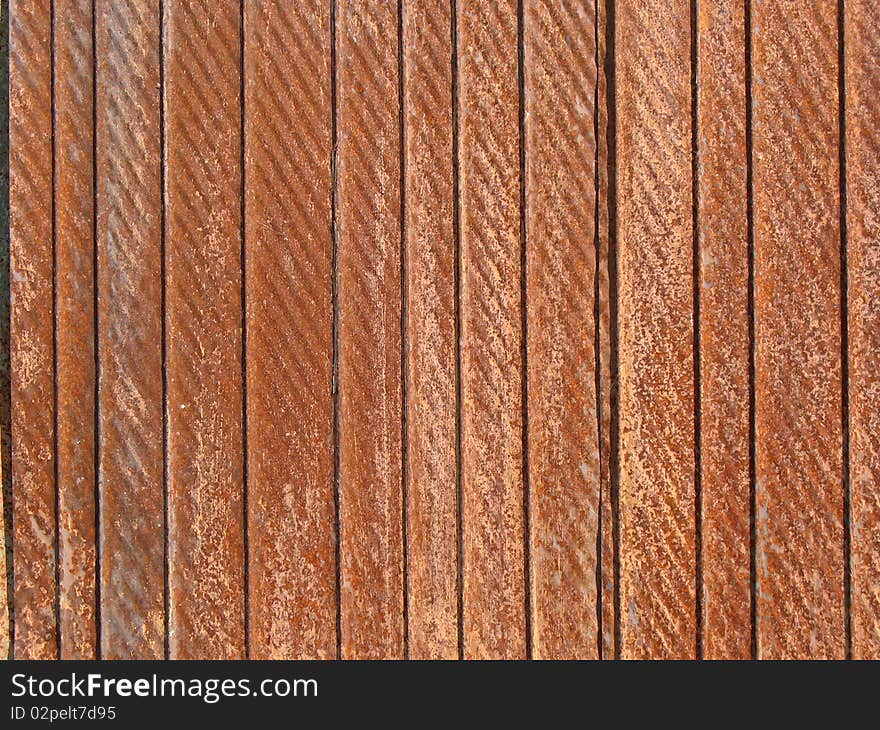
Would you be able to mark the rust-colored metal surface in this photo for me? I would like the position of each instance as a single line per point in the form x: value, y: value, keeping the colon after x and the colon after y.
x: 862, y: 36
x: 799, y: 479
x: 443, y: 329
x: 495, y: 609
x: 369, y: 376
x: 75, y: 327
x: 605, y: 578
x: 723, y: 260
x: 655, y: 331
x: 130, y: 430
x: 431, y: 360
x: 203, y: 330
x: 561, y: 259
x: 31, y: 249
x: 291, y: 526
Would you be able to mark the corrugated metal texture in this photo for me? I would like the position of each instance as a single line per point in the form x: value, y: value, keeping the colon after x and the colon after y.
x: 443, y: 328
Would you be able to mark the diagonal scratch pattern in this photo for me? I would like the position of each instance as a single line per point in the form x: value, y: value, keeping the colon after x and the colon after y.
x: 369, y: 331
x: 862, y: 33
x: 432, y: 535
x: 75, y: 335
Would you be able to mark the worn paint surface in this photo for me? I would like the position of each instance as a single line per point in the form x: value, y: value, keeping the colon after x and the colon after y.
x: 442, y: 329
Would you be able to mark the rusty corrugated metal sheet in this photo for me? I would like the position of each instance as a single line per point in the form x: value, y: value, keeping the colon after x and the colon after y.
x: 433, y: 329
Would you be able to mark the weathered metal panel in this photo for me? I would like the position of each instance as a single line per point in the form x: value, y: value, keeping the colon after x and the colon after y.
x: 430, y: 344
x: 862, y: 46
x: 725, y: 426
x: 493, y: 520
x: 798, y: 396
x: 289, y: 333
x: 560, y: 90
x: 130, y: 363
x: 203, y: 330
x: 31, y: 249
x: 75, y: 326
x: 370, y: 310
x: 655, y: 330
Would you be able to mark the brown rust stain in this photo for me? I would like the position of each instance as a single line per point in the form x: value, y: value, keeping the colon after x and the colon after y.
x: 564, y: 470
x: 724, y: 331
x: 431, y: 434
x: 799, y: 513
x: 203, y: 330
x: 75, y: 333
x: 862, y: 33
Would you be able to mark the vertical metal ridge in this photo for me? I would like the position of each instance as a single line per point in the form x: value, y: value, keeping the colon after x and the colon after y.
x: 597, y: 337
x: 203, y: 329
x: 563, y: 368
x: 695, y: 224
x: 844, y: 327
x: 861, y: 84
x: 163, y: 215
x: 456, y: 222
x: 334, y: 81
x: 750, y: 218
x: 32, y: 329
x: 54, y: 225
x: 524, y: 327
x: 404, y: 304
x: 244, y: 334
x: 290, y: 300
x: 7, y: 612
x: 613, y: 297
x: 95, y: 405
